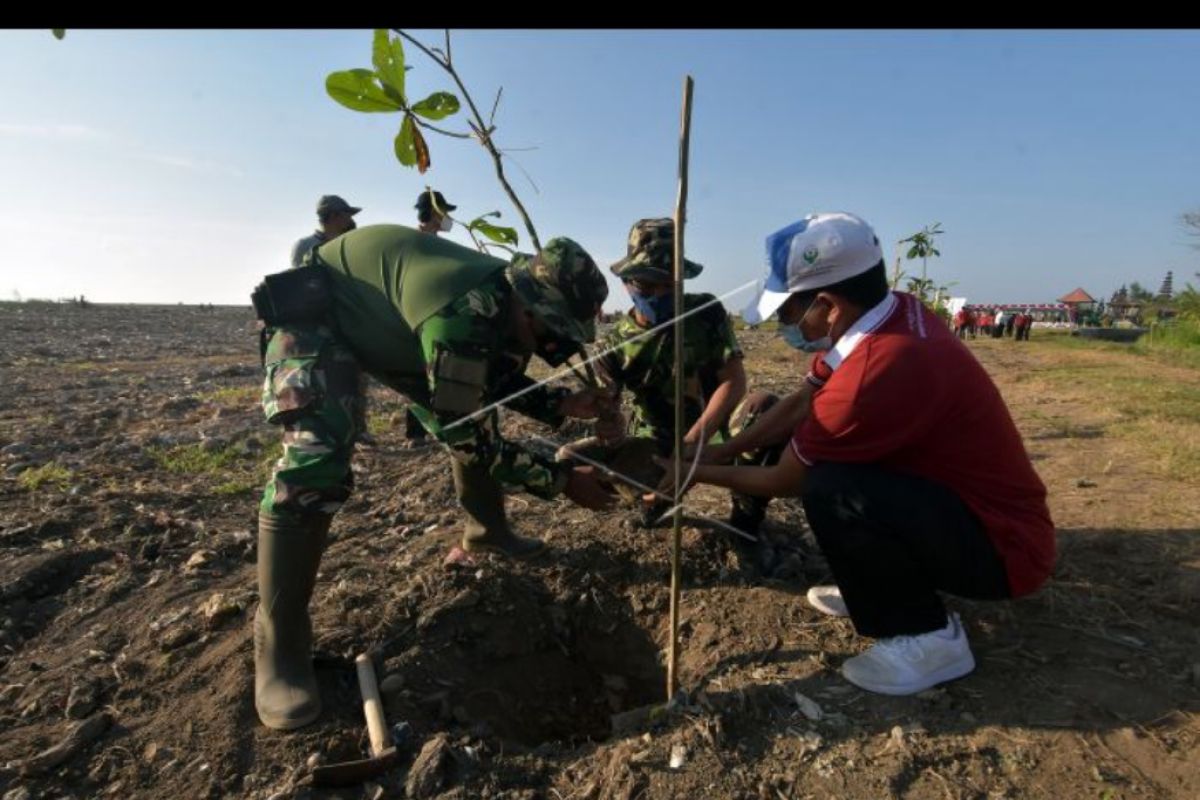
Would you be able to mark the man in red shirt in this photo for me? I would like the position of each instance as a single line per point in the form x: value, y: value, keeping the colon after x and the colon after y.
x: 885, y: 425
x: 985, y: 324
x: 960, y: 323
x: 1022, y: 325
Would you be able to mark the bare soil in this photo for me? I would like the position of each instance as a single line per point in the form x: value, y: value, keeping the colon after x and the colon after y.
x: 132, y: 452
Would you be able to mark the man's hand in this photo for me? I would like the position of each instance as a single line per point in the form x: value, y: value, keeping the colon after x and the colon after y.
x: 667, y: 484
x: 709, y: 454
x: 585, y: 489
x: 712, y: 454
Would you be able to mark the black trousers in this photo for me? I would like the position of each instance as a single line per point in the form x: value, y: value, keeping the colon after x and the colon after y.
x: 893, y: 542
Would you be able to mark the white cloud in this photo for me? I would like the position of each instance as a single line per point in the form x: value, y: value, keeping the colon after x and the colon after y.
x: 74, y: 133
x: 195, y: 165
x: 85, y: 133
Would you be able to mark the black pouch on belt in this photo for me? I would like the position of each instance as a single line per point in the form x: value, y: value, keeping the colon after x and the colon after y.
x: 298, y: 295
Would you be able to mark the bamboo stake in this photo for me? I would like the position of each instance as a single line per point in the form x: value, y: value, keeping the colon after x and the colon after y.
x: 677, y: 523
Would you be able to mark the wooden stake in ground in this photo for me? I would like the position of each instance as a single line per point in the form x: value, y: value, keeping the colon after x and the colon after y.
x: 677, y: 523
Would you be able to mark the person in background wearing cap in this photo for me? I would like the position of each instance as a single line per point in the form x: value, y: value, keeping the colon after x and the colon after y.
x: 887, y: 421
x: 453, y: 330
x: 433, y: 213
x: 714, y: 377
x: 335, y: 216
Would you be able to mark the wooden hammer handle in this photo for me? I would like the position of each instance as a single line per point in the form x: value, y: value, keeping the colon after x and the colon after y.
x: 377, y: 728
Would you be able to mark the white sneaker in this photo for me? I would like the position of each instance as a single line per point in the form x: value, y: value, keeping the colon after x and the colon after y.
x: 828, y: 600
x: 910, y: 664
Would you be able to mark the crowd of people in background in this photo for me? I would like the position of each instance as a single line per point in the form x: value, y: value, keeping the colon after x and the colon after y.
x: 996, y: 324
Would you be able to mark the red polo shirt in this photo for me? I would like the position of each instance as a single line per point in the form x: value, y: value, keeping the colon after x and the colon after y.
x: 900, y: 390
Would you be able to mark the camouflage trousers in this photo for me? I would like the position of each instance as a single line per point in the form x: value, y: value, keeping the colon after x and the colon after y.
x: 632, y: 458
x: 313, y: 387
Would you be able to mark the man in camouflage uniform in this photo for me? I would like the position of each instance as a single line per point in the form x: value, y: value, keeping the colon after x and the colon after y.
x: 453, y: 330
x: 716, y: 405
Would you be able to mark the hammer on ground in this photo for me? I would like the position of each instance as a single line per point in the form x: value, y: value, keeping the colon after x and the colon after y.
x: 383, y: 752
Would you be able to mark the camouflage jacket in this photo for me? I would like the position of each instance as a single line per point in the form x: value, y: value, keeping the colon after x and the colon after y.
x: 427, y: 317
x: 469, y: 329
x: 645, y: 366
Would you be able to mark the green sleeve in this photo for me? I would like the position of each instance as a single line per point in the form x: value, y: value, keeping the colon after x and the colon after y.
x: 465, y: 331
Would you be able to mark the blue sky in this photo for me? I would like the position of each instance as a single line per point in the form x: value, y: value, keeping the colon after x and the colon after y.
x: 163, y: 166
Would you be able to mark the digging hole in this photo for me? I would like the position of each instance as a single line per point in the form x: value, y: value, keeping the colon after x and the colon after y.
x: 505, y: 657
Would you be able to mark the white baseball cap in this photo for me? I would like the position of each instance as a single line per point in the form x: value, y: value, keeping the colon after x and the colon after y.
x: 819, y: 250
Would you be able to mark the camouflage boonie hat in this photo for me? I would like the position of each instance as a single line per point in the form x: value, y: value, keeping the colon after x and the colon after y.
x: 651, y: 253
x: 562, y: 286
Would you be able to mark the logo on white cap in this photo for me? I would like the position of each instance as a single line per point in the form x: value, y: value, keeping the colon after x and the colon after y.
x: 816, y: 251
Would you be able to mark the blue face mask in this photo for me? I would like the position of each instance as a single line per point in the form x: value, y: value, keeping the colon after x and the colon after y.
x: 654, y: 309
x: 796, y: 338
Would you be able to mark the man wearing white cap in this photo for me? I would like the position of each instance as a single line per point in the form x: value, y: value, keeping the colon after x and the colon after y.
x: 884, y: 427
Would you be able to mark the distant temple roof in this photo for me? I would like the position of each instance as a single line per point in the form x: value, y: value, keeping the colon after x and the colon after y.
x: 1077, y: 296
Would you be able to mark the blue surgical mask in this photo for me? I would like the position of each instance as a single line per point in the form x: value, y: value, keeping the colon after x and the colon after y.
x: 655, y: 309
x: 796, y: 338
